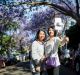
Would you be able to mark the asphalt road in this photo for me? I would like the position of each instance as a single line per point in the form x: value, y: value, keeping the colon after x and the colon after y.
x: 23, y: 68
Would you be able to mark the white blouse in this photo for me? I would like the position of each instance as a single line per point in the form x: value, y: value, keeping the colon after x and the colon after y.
x: 51, y: 49
x: 37, y: 50
x: 52, y: 46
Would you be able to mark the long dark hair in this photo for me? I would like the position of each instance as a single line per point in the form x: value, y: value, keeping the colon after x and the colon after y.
x: 53, y: 27
x: 38, y: 32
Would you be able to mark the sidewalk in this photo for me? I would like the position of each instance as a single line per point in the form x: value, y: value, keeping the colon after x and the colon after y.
x: 21, y: 68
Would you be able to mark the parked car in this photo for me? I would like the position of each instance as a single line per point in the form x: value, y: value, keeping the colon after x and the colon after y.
x: 10, y: 60
x: 22, y: 57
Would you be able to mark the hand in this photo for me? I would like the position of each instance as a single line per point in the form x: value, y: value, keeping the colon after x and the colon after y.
x: 64, y: 41
x: 38, y: 69
x: 43, y: 57
x: 67, y: 39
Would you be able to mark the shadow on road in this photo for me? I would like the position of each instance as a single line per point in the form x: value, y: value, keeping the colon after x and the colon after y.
x: 63, y: 70
x: 66, y: 71
x: 24, y: 65
x: 23, y: 68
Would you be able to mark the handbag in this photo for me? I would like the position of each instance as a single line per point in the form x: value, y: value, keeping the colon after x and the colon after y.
x: 51, y: 61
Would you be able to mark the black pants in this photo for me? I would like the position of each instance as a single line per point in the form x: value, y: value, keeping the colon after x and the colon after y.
x: 38, y: 73
x: 53, y: 71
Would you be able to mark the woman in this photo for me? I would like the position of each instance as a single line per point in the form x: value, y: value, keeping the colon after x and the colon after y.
x: 38, y: 52
x: 51, y: 50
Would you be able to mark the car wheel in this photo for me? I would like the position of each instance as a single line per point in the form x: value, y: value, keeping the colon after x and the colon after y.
x: 77, y: 67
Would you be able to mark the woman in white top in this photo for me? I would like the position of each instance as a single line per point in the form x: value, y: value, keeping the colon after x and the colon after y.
x: 38, y: 52
x: 51, y: 50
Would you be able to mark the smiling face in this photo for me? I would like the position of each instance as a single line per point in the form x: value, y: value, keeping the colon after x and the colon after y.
x: 41, y: 36
x: 51, y: 32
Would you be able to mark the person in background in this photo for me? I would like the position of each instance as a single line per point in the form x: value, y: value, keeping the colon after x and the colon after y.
x: 37, y: 52
x: 79, y: 47
x: 77, y: 52
x: 51, y: 50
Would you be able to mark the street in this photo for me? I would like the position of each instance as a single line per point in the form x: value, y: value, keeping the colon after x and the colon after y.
x: 22, y: 68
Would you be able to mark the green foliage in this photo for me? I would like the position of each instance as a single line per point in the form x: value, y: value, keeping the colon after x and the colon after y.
x: 11, y: 26
x: 6, y: 41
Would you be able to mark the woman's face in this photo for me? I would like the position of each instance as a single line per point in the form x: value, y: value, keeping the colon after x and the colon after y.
x: 41, y: 35
x: 51, y: 32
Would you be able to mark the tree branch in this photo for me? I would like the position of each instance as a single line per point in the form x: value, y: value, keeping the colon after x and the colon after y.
x: 60, y: 9
x: 56, y: 7
x: 77, y: 7
x: 4, y: 1
x: 67, y: 5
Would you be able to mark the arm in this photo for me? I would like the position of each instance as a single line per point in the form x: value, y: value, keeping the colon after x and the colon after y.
x: 64, y: 40
x: 35, y: 55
